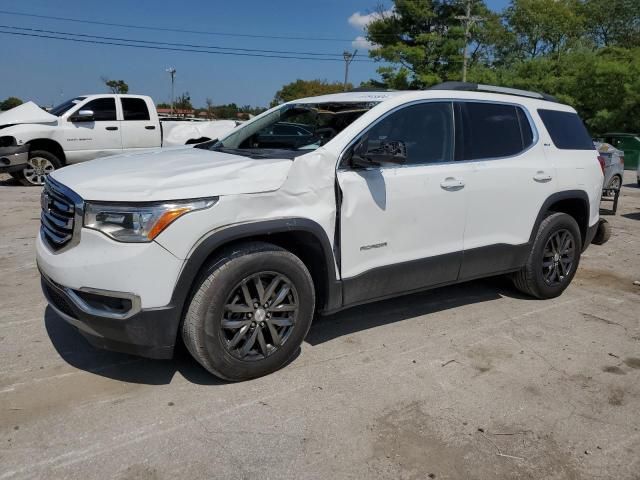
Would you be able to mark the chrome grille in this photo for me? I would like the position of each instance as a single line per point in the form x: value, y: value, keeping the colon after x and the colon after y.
x: 60, y: 209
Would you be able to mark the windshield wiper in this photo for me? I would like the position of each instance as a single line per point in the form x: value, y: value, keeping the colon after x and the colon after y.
x: 239, y: 151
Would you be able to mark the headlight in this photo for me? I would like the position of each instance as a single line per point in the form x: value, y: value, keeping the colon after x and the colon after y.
x: 139, y: 223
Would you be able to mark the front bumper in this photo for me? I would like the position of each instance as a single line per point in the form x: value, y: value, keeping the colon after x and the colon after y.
x: 14, y: 158
x: 147, y: 333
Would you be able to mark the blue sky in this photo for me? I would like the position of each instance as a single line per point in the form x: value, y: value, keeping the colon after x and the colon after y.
x: 49, y: 71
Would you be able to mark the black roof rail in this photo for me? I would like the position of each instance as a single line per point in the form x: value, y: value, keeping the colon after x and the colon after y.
x: 371, y: 89
x: 477, y: 87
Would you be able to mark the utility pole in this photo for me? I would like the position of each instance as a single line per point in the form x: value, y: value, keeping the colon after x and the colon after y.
x: 348, y: 58
x: 172, y: 72
x: 469, y: 21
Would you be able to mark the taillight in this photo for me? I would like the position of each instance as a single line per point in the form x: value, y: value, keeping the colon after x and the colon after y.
x: 622, y: 160
x: 602, y: 162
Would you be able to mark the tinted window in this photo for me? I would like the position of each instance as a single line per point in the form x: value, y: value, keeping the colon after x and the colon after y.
x: 135, y: 109
x: 492, y: 131
x: 104, y: 109
x: 426, y: 129
x: 567, y: 130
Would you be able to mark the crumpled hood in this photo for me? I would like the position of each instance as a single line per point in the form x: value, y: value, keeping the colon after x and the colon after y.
x: 176, y: 173
x: 26, y: 113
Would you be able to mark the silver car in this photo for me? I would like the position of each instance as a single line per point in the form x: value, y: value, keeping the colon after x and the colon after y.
x: 613, y: 165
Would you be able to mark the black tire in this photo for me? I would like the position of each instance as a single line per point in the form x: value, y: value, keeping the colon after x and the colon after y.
x: 202, y: 330
x: 603, y: 233
x: 33, y: 174
x: 613, y: 179
x: 531, y: 278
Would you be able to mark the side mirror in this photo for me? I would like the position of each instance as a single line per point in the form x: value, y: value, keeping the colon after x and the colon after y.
x: 387, y: 151
x: 82, y: 116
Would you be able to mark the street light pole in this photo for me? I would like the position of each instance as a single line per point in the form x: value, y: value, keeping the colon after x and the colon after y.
x: 348, y: 58
x: 172, y: 72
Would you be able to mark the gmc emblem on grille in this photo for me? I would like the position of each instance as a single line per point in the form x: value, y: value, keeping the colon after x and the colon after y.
x: 45, y: 201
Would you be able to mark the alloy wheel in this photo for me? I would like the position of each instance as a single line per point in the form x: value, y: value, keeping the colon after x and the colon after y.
x: 259, y: 316
x: 37, y: 169
x: 557, y: 257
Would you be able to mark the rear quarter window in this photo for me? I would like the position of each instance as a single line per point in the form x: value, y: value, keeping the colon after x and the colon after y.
x: 566, y: 130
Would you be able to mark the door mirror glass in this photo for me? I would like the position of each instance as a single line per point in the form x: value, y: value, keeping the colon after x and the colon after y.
x: 83, y: 116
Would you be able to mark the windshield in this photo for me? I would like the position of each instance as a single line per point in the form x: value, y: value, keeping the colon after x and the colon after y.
x: 66, y: 106
x: 292, y: 129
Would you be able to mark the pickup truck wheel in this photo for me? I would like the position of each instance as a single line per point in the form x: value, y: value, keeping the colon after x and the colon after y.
x: 553, y: 259
x: 40, y: 164
x: 250, y: 312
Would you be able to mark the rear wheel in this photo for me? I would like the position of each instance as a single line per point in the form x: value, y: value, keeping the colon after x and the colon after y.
x: 250, y: 312
x: 615, y: 183
x: 40, y: 164
x: 554, y: 258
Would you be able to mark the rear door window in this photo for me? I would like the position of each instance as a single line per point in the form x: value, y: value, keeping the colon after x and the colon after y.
x: 566, y: 129
x: 135, y: 109
x: 491, y: 130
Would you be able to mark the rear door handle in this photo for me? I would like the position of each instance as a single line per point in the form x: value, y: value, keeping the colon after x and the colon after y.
x: 452, y: 184
x: 111, y: 128
x: 150, y: 127
x: 542, y: 177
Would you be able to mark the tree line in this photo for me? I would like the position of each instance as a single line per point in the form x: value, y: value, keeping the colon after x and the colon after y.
x: 585, y: 52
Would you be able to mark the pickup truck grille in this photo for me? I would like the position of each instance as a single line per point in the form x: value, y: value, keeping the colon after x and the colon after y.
x: 58, y: 216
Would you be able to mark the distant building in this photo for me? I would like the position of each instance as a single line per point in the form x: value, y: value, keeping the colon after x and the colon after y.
x: 166, y: 112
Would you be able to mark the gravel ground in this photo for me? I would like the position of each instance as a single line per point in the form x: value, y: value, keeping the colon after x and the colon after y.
x: 471, y: 381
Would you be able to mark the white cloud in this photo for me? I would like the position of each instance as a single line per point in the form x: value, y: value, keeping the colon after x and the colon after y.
x: 358, y: 20
x: 361, y: 43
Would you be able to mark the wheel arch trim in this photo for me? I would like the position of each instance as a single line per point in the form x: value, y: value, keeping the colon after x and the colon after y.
x: 217, y: 239
x: 579, y: 195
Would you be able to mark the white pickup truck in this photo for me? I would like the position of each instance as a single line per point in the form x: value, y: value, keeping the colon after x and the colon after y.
x: 34, y: 143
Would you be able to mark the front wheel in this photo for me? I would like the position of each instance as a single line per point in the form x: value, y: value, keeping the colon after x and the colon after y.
x: 40, y: 164
x: 250, y: 312
x: 553, y: 259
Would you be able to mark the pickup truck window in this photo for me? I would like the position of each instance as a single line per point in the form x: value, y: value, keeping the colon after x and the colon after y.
x: 135, y: 109
x: 64, y: 107
x: 104, y: 109
x: 292, y: 129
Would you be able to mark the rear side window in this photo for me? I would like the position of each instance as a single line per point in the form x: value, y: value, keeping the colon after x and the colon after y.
x: 566, y: 129
x: 491, y: 130
x: 135, y: 109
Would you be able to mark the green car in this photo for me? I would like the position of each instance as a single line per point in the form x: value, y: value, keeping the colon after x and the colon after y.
x: 629, y: 143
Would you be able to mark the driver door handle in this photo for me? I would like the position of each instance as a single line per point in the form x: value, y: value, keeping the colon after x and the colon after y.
x: 452, y: 184
x: 542, y: 177
x: 111, y: 128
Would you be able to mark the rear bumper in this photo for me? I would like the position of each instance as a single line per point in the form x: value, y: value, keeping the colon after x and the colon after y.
x: 147, y: 333
x: 14, y: 158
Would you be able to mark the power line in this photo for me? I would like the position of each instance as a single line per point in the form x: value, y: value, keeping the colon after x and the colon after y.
x: 177, y: 30
x: 157, y: 47
x: 187, y: 45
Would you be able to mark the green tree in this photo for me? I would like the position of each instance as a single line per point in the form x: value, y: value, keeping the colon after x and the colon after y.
x: 116, y: 86
x: 183, y: 102
x: 612, y: 22
x: 306, y: 88
x: 10, y: 102
x: 542, y: 27
x: 425, y: 40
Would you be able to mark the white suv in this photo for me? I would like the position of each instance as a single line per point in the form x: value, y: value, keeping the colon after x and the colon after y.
x: 315, y: 206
